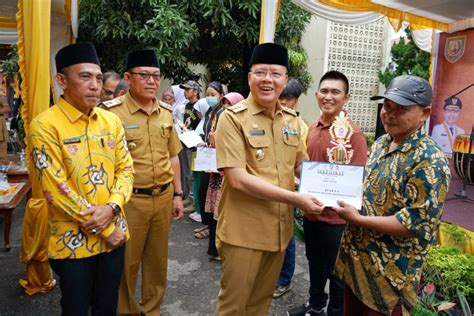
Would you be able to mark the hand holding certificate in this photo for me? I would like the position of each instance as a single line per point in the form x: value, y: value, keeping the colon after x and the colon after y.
x: 330, y: 182
x: 190, y: 139
x: 205, y: 160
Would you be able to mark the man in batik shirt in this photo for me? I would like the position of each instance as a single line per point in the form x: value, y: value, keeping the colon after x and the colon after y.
x: 406, y: 180
x: 86, y: 175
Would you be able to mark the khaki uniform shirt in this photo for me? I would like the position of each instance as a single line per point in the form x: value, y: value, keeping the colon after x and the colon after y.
x: 151, y: 139
x: 269, y: 148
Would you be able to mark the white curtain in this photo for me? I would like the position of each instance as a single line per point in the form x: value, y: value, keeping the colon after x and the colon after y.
x: 423, y: 39
x: 336, y: 15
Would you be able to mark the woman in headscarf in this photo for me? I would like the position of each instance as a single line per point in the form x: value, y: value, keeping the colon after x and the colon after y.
x: 178, y: 107
x: 205, y: 107
x: 168, y: 96
x: 213, y: 195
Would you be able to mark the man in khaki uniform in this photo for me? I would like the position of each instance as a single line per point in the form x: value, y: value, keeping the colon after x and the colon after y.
x: 259, y: 148
x: 157, y: 196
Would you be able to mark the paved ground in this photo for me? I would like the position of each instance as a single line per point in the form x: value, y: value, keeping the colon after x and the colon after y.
x: 192, y: 287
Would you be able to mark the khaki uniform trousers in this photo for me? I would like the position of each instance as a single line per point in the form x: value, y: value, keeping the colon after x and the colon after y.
x: 149, y: 219
x: 248, y: 280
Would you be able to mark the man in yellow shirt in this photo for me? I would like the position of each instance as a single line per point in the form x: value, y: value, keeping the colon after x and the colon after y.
x: 157, y: 196
x: 86, y: 175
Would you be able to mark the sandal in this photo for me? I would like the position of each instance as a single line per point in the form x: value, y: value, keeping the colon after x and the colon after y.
x: 200, y: 229
x: 202, y: 234
x: 216, y: 258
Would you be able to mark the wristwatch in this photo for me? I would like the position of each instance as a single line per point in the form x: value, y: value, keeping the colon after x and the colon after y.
x: 180, y: 193
x: 115, y: 208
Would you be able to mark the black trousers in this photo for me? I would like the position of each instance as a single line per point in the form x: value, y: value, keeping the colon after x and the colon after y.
x: 322, y: 242
x: 212, y: 249
x: 203, y: 184
x: 90, y: 283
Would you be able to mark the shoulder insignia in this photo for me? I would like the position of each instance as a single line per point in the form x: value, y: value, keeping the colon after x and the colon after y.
x: 110, y: 104
x: 166, y: 106
x: 239, y: 107
x: 289, y: 111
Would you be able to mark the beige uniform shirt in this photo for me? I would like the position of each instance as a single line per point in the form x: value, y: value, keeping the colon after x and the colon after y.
x: 151, y: 139
x: 270, y: 148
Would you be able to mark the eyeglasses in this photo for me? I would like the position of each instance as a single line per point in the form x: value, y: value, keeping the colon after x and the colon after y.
x: 264, y: 73
x: 146, y: 75
x: 107, y: 92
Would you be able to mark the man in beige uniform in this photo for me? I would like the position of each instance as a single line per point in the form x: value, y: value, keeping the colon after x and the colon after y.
x: 259, y: 148
x: 157, y: 194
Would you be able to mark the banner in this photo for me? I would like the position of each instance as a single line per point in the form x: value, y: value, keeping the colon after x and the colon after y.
x: 453, y: 109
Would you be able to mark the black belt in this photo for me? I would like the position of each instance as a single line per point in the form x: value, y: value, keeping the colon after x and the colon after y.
x: 158, y: 190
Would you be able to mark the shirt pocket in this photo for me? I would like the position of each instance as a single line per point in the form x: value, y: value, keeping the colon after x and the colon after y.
x: 259, y: 150
x: 134, y: 138
x: 292, y: 143
x: 166, y: 130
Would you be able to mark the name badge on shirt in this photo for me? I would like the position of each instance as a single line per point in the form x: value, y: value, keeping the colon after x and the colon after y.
x: 257, y: 132
x: 73, y: 140
x: 131, y: 126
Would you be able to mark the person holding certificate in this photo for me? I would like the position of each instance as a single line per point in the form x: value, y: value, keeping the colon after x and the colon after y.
x: 332, y: 138
x: 407, y: 176
x: 259, y: 148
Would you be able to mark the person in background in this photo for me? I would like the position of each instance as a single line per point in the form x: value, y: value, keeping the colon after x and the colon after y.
x: 121, y: 88
x: 406, y: 180
x: 4, y: 109
x: 259, y: 148
x: 86, y: 175
x: 178, y: 108
x: 190, y: 122
x: 445, y: 133
x: 184, y: 163
x: 191, y: 93
x: 213, y: 195
x: 111, y: 80
x: 214, y: 94
x: 289, y: 98
x: 157, y: 195
x: 168, y: 96
x: 337, y: 139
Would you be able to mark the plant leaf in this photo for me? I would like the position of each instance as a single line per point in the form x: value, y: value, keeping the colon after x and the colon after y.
x: 446, y: 305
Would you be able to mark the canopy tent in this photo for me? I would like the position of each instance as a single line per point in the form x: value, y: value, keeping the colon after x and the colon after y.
x: 41, y: 29
x: 444, y: 15
x: 422, y: 16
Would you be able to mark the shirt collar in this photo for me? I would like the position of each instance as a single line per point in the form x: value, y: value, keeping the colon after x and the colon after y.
x: 72, y: 113
x: 320, y: 123
x: 409, y: 142
x: 255, y: 108
x: 133, y: 106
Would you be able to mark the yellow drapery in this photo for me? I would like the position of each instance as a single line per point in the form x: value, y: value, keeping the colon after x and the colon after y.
x: 394, y: 16
x: 33, y: 19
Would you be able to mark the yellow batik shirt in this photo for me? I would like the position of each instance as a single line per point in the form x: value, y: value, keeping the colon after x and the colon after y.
x: 80, y: 161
